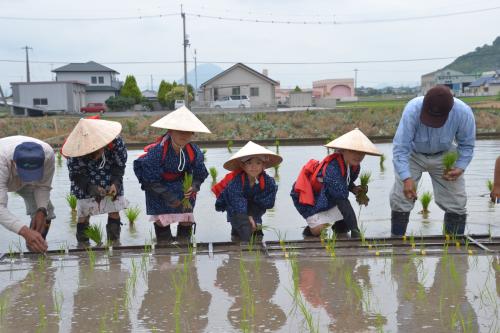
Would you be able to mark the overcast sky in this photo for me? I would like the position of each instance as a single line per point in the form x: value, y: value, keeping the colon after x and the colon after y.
x: 353, y: 38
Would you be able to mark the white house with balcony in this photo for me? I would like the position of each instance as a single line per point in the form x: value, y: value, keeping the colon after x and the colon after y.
x: 101, y: 80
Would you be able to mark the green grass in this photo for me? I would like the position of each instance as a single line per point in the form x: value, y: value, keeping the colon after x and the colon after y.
x: 94, y: 232
x: 132, y: 213
x: 230, y: 146
x: 213, y: 174
x: 380, y: 104
x: 72, y: 201
x: 449, y: 160
x: 425, y: 200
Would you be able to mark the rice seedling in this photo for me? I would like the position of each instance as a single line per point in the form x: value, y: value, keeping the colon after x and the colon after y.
x: 230, y: 146
x: 132, y: 213
x: 4, y: 303
x: 489, y: 184
x: 361, y: 197
x: 72, y: 201
x: 179, y: 283
x: 277, y: 144
x: 11, y: 252
x: 94, y: 232
x: 425, y: 200
x: 248, y: 306
x: 449, y: 160
x: 186, y: 185
x: 382, y: 160
x: 276, y: 171
x: 58, y: 298
x: 204, y: 151
x: 42, y: 316
x: 91, y: 255
x: 308, y: 317
x: 213, y: 174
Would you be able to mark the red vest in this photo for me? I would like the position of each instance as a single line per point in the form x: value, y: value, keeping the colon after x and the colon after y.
x: 218, y: 188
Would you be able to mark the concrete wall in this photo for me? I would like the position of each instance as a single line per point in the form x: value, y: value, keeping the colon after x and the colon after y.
x: 300, y: 99
x: 239, y: 77
x: 326, y: 102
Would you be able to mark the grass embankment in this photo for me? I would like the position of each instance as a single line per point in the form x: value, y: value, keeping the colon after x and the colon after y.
x: 373, y: 121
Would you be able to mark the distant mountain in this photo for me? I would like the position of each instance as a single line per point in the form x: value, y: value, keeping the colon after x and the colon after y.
x: 485, y: 58
x: 204, y: 73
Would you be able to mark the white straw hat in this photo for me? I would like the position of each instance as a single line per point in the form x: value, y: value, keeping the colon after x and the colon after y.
x: 355, y: 140
x: 250, y: 150
x: 90, y: 135
x: 181, y: 120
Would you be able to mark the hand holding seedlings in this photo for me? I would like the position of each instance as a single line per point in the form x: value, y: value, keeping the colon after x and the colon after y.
x: 34, y: 240
x: 112, y: 192
x: 453, y: 174
x: 409, y: 189
x: 188, y: 193
x: 360, y: 193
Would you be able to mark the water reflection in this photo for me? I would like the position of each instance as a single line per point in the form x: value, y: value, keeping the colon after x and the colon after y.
x: 174, y: 300
x: 442, y: 306
x: 251, y: 283
x: 342, y: 288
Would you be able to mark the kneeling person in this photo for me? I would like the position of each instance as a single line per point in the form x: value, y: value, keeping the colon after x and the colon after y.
x: 321, y: 192
x: 247, y: 191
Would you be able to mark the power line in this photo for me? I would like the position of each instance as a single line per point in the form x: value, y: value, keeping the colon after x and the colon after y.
x: 333, y: 21
x: 336, y: 22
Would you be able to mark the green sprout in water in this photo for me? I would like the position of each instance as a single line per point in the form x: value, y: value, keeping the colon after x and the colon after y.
x: 277, y: 171
x: 277, y: 144
x: 230, y: 146
x: 489, y: 183
x: 425, y: 200
x: 382, y: 160
x: 132, y: 214
x: 449, y: 160
x: 94, y: 232
x: 213, y: 173
x: 204, y: 151
x: 186, y: 185
x: 72, y: 201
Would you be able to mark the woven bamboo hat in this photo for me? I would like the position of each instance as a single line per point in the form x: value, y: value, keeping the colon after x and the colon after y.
x: 355, y: 140
x: 181, y: 120
x: 250, y: 150
x: 90, y: 135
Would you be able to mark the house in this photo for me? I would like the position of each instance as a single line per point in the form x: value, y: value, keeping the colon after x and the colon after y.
x: 47, y: 96
x: 239, y: 80
x: 487, y: 85
x: 455, y: 80
x: 342, y: 89
x: 101, y: 81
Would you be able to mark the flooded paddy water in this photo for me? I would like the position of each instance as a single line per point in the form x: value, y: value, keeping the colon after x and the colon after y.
x: 420, y: 284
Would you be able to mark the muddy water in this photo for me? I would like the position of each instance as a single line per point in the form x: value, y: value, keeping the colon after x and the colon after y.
x: 212, y: 226
x: 232, y: 292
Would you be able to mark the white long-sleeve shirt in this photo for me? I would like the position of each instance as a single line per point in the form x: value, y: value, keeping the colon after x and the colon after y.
x: 11, y: 182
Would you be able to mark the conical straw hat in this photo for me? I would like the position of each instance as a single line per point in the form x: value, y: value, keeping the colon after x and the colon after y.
x: 90, y: 135
x: 252, y: 149
x: 181, y: 120
x: 355, y: 140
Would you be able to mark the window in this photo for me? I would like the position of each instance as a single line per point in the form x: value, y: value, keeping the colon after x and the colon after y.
x: 236, y: 91
x: 101, y: 79
x: 93, y: 79
x: 40, y: 101
x: 216, y: 94
x: 254, y: 91
x: 235, y: 98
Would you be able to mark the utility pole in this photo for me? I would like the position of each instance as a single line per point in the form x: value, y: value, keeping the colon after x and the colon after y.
x: 26, y: 48
x: 195, y: 76
x: 186, y: 44
x: 355, y: 80
x: 151, y: 76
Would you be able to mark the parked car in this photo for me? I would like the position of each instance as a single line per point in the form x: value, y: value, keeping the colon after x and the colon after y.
x: 93, y: 108
x: 178, y: 103
x: 233, y: 101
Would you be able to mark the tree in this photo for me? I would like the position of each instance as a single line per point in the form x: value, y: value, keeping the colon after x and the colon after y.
x: 130, y: 89
x: 164, y: 88
x: 297, y: 89
x: 175, y: 93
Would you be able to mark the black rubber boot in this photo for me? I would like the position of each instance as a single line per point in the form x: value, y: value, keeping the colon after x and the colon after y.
x: 399, y: 222
x: 241, y: 225
x: 454, y: 224
x: 113, y: 228
x: 184, y: 232
x: 307, y: 232
x: 163, y: 233
x: 340, y: 227
x: 355, y: 233
x: 80, y: 232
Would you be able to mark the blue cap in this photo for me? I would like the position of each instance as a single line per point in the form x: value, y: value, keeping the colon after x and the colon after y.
x: 29, y: 158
